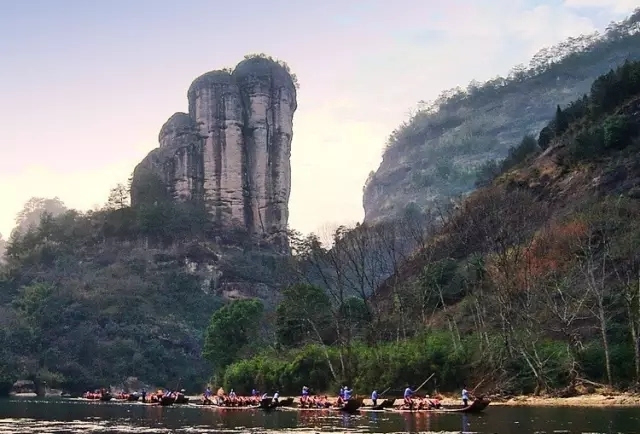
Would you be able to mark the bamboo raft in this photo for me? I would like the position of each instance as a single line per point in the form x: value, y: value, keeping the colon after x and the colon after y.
x: 476, y: 406
x: 353, y: 406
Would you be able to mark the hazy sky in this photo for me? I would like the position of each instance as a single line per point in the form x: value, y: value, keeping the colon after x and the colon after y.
x: 86, y: 84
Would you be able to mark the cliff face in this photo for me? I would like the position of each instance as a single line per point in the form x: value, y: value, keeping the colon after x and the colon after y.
x: 232, y: 150
x: 436, y: 155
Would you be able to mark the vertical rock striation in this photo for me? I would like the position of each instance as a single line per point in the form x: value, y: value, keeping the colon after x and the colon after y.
x: 232, y: 151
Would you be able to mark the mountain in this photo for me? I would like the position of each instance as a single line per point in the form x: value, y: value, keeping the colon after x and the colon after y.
x: 437, y: 154
x: 540, y: 269
x: 530, y: 284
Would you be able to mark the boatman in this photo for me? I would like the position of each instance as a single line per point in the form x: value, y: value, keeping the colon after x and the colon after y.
x: 276, y: 396
x: 305, y: 392
x: 465, y: 396
x: 374, y: 397
x: 232, y: 394
x: 347, y: 393
x: 407, y: 396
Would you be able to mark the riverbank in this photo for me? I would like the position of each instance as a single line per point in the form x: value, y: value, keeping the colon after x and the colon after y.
x: 590, y: 400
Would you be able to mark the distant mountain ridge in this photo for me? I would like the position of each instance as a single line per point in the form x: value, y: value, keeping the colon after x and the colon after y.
x: 437, y: 153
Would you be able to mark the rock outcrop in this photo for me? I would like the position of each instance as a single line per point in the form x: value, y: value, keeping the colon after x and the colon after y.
x: 231, y: 152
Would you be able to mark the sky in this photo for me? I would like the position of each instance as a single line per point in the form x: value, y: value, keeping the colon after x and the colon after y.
x: 86, y: 85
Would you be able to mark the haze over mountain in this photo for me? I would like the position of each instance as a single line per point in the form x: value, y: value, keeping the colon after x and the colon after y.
x: 115, y: 71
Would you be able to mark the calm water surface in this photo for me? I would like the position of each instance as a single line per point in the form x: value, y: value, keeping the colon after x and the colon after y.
x: 74, y: 416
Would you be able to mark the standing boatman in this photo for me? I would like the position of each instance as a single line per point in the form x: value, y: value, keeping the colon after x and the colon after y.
x: 347, y: 393
x: 374, y: 397
x: 408, y: 392
x: 465, y: 396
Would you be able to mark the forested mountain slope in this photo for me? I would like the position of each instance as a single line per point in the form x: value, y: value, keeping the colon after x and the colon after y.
x: 90, y: 299
x: 530, y: 284
x: 543, y: 264
x: 436, y: 155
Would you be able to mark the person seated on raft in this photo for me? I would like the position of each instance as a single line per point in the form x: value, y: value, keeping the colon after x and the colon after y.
x: 431, y: 403
x: 233, y: 397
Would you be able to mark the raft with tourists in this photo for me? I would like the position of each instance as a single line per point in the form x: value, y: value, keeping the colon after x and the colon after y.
x: 161, y: 397
x: 346, y: 401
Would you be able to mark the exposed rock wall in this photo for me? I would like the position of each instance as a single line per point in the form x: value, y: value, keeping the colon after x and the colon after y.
x: 232, y: 150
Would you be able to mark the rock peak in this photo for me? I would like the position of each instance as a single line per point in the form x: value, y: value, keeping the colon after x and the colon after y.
x: 177, y: 123
x: 231, y: 151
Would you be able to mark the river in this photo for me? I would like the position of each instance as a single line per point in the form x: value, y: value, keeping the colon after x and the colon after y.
x: 33, y: 415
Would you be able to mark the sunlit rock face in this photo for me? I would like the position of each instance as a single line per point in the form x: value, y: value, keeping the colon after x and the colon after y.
x: 232, y: 150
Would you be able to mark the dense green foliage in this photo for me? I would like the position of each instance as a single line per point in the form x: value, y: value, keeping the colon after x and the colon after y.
x: 436, y: 154
x: 88, y: 300
x: 232, y: 331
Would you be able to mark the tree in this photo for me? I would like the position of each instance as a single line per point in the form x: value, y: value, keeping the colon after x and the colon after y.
x: 34, y: 208
x: 303, y: 315
x: 118, y: 197
x: 232, y: 332
x: 561, y: 121
x: 545, y: 137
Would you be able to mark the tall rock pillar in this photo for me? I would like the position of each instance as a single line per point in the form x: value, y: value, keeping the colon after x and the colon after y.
x: 269, y: 99
x: 215, y: 106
